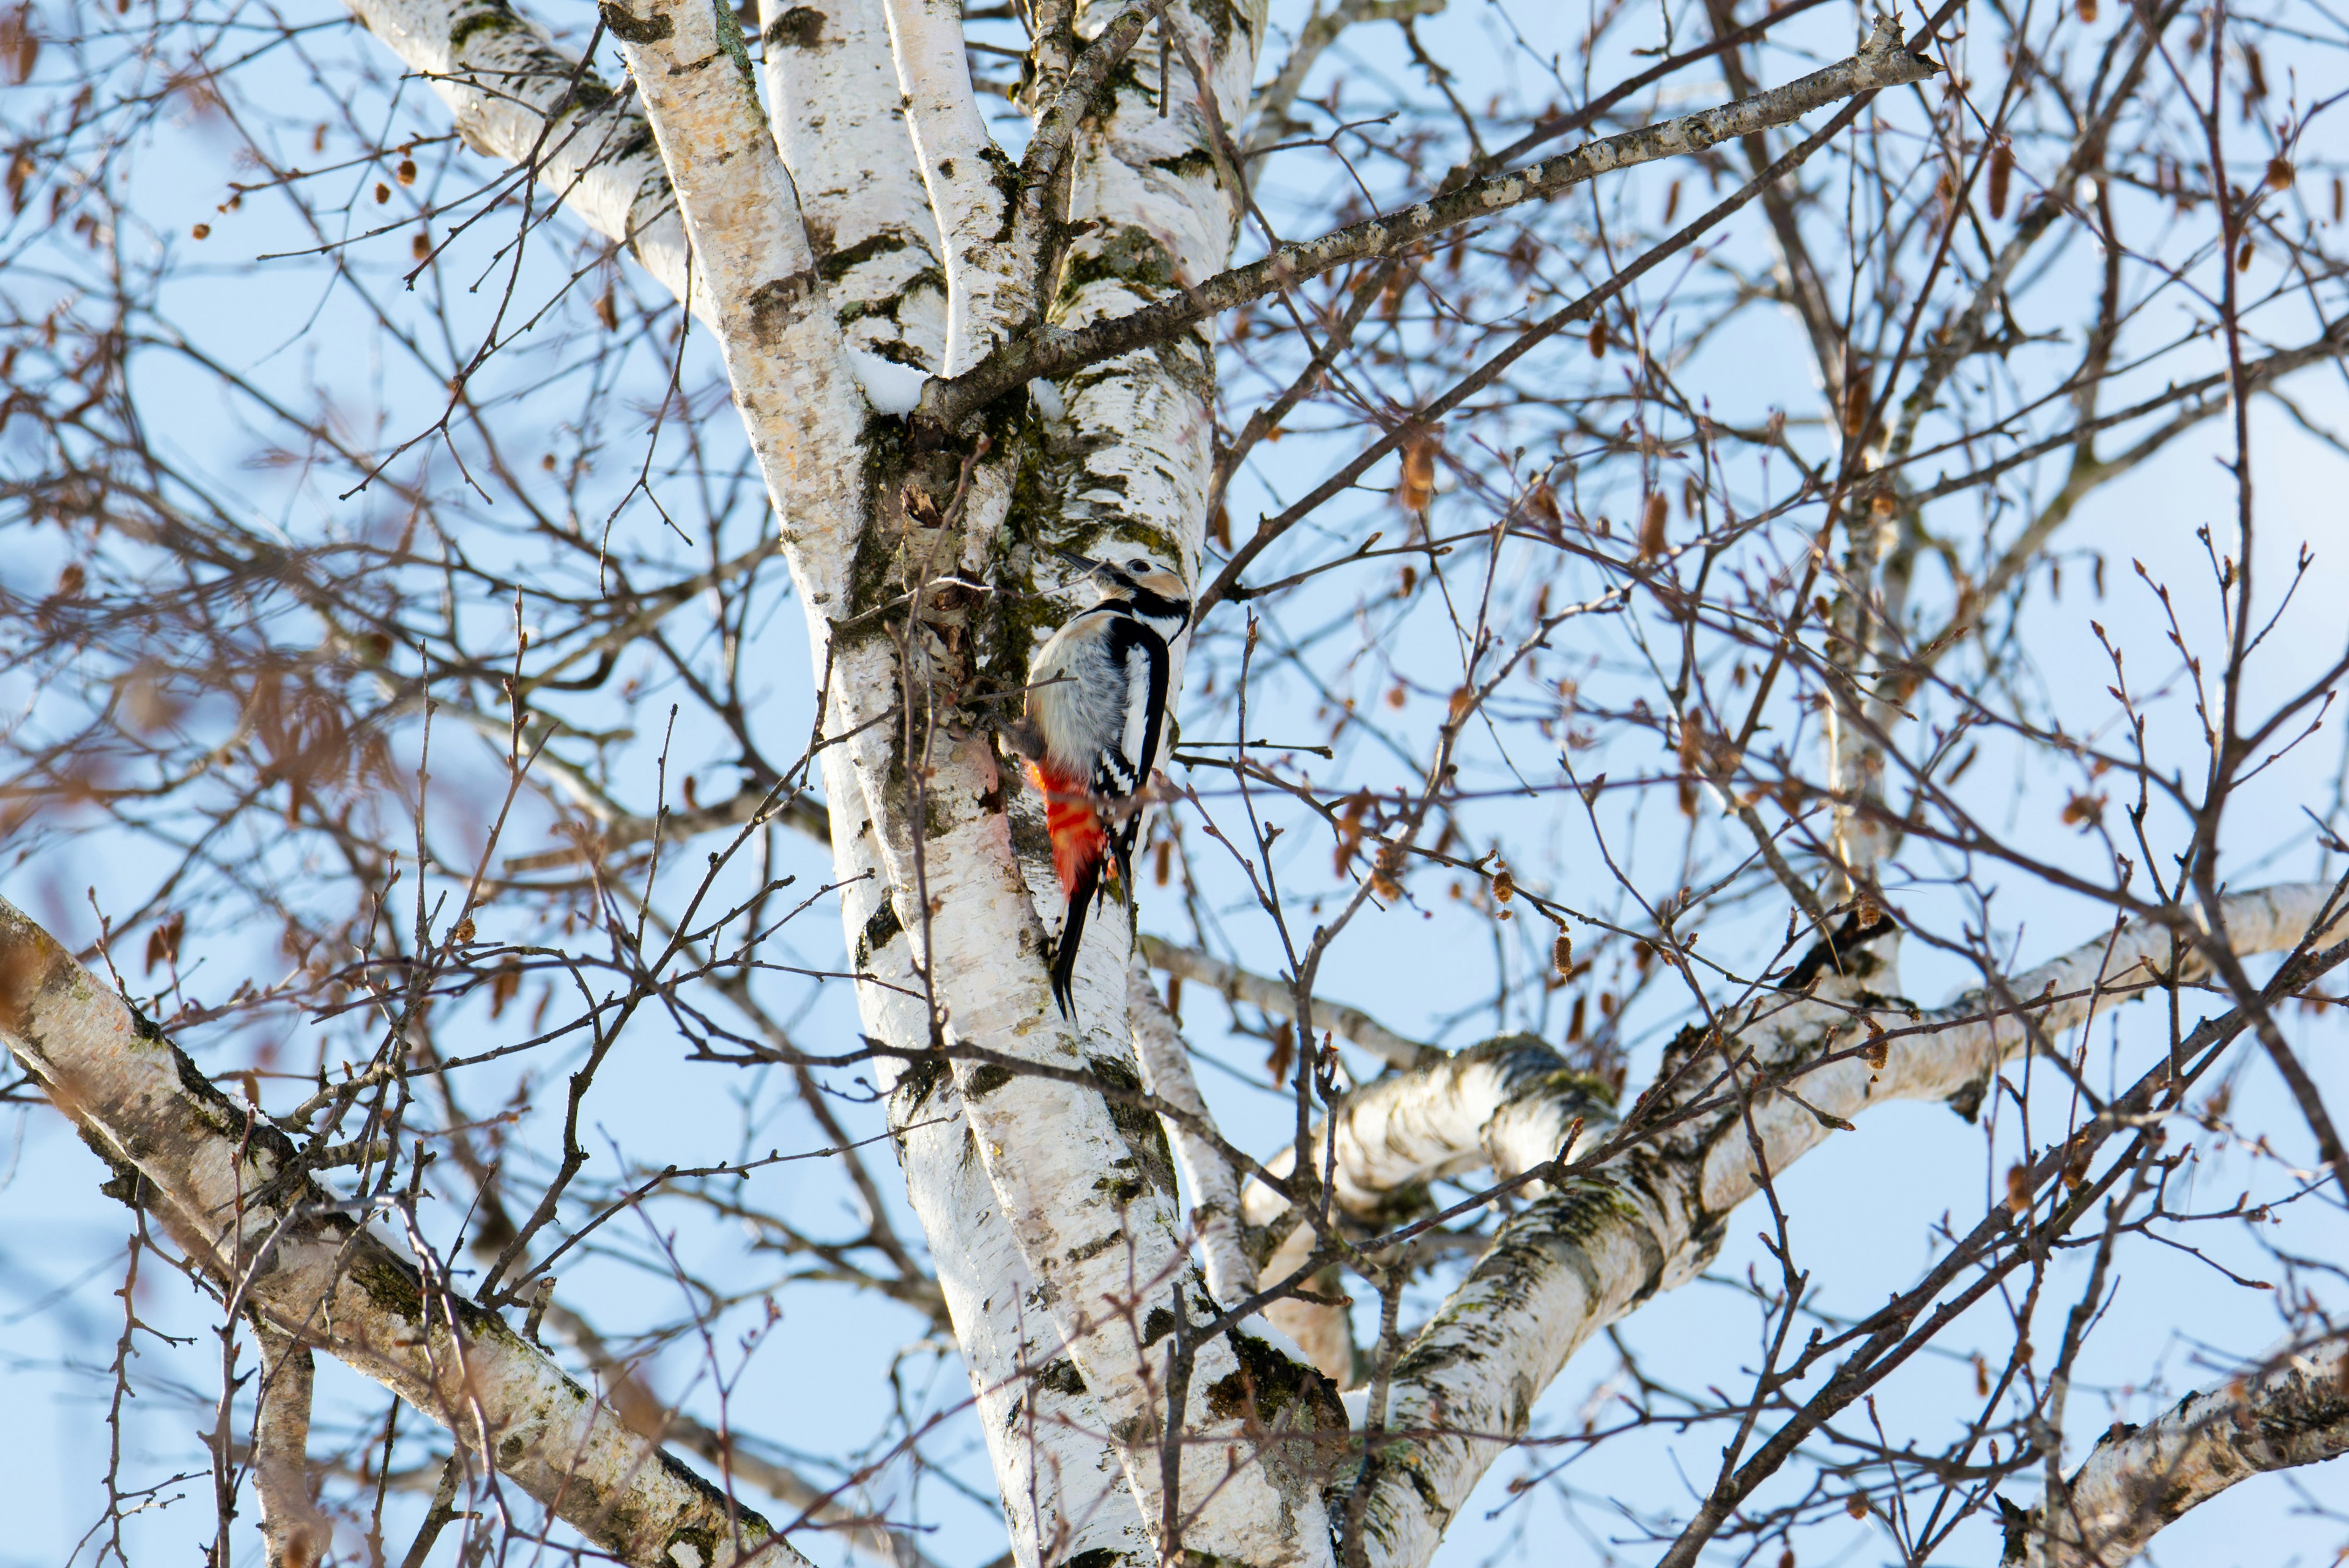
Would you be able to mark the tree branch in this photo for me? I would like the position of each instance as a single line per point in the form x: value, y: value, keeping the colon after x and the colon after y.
x: 2140, y: 1479
x: 1882, y: 63
x: 230, y: 1189
x: 1280, y: 999
x: 294, y: 1533
x: 1577, y: 1260
x: 511, y: 95
x: 1165, y: 1063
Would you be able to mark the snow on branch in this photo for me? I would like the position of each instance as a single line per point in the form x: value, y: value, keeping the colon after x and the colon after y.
x: 232, y: 1189
x: 1880, y: 63
x: 2140, y: 1479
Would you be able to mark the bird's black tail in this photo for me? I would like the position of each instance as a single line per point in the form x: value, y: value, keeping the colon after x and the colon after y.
x: 1073, y: 931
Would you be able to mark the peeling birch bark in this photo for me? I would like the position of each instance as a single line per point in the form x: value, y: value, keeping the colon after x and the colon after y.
x: 1581, y: 1258
x: 229, y: 1188
x: 2142, y: 1479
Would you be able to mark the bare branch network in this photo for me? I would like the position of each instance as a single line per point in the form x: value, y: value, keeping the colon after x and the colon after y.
x: 1671, y: 535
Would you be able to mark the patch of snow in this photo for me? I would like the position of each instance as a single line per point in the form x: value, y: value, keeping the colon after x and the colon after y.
x: 1047, y: 399
x: 889, y: 386
x: 1256, y: 1323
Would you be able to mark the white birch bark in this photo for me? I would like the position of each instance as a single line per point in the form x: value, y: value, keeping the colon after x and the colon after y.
x: 964, y: 172
x: 2141, y: 1478
x: 837, y: 119
x: 1577, y: 1260
x: 227, y: 1188
x: 1507, y: 1105
x: 1064, y: 1494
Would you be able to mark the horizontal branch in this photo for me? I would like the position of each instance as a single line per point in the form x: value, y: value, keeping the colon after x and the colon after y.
x: 1278, y: 998
x: 1881, y: 63
x: 231, y: 1189
x: 2140, y: 1479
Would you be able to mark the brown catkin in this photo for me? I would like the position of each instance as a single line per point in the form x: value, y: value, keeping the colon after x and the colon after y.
x: 1599, y: 339
x: 2001, y: 173
x: 1561, y: 954
x: 1651, y: 527
x: 1542, y: 502
x: 2088, y: 12
x: 2279, y: 173
x: 1858, y: 392
x: 1418, y: 486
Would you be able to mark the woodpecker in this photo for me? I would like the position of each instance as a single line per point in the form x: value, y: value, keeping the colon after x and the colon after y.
x: 1096, y: 711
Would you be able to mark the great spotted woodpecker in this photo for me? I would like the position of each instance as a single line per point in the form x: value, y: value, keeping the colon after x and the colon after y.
x: 1096, y: 711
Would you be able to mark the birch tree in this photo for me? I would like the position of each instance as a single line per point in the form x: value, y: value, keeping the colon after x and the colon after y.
x: 1627, y: 468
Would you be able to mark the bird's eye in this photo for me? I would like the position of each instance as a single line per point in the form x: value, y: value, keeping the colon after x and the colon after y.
x: 1139, y: 566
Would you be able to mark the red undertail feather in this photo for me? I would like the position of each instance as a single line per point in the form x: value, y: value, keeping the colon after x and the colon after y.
x: 1079, y: 848
x: 1079, y: 840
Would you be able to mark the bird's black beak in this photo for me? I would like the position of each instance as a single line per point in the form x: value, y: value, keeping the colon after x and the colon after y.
x: 1085, y: 564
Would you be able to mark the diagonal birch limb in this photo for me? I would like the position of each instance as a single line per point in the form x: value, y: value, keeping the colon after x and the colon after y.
x: 1507, y: 1105
x: 1577, y: 1260
x: 1165, y: 1063
x: 229, y: 1188
x: 2141, y: 1478
x: 965, y: 173
x: 1881, y: 63
x: 510, y: 93
x: 784, y: 355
